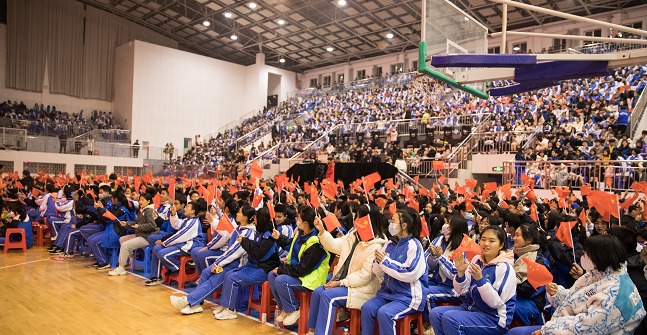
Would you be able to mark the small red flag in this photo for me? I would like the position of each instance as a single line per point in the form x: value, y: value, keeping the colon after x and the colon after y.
x: 490, y: 187
x: 225, y: 224
x: 585, y: 190
x: 380, y: 202
x: 471, y: 183
x: 110, y: 216
x: 364, y: 228
x: 371, y: 179
x: 564, y: 233
x: 331, y: 223
x: 35, y: 192
x: 424, y: 232
x: 129, y: 172
x: 415, y: 205
x: 392, y: 208
x: 19, y: 185
x: 538, y: 275
x: 314, y: 198
x: 270, y: 207
x: 438, y: 165
x: 258, y: 198
x: 469, y: 247
x: 533, y: 213
x: 442, y: 179
x: 171, y: 188
x: 157, y: 200
x: 256, y: 170
x: 583, y: 217
x: 91, y: 193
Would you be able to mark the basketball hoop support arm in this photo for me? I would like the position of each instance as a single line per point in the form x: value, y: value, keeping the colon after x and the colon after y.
x: 422, y: 68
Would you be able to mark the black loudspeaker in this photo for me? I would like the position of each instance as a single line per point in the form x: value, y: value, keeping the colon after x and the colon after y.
x: 359, y: 137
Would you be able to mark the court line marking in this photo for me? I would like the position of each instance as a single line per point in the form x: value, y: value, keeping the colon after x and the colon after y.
x: 9, y: 266
x: 285, y: 331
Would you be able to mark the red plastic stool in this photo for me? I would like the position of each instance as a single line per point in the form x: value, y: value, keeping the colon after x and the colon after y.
x: 304, y: 309
x: 456, y: 303
x: 216, y: 293
x: 183, y: 276
x: 22, y: 244
x: 40, y: 230
x: 263, y: 305
x: 403, y: 325
x: 353, y: 324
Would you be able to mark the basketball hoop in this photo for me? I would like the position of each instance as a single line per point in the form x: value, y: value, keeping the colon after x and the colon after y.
x: 429, y: 87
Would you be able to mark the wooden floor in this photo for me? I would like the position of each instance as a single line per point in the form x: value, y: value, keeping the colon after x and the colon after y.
x: 42, y: 296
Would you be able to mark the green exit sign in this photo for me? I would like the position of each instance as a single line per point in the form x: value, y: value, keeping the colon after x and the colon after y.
x: 497, y: 169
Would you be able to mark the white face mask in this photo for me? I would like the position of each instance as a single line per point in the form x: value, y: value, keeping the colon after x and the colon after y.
x: 587, y: 264
x: 445, y: 230
x: 394, y: 229
x: 469, y: 216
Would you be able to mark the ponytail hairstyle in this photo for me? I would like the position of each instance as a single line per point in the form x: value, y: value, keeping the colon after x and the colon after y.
x: 413, y: 222
x: 263, y: 221
x: 534, y: 235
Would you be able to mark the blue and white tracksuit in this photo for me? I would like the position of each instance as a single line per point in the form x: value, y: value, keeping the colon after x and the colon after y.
x: 65, y: 218
x: 488, y: 303
x: 234, y: 257
x: 403, y: 289
x: 287, y: 231
x: 103, y: 240
x: 179, y: 244
x: 441, y: 276
x: 215, y: 248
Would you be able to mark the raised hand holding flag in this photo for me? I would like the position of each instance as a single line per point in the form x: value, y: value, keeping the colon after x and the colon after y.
x: 109, y: 216
x: 225, y: 224
x: 538, y: 275
x: 467, y: 246
x: 331, y: 223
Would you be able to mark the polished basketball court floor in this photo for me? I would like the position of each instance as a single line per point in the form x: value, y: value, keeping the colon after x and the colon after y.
x: 43, y: 296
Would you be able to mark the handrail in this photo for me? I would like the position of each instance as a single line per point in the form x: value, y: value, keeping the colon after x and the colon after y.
x: 408, y: 178
x: 98, y: 134
x: 313, y: 142
x: 260, y: 156
x: 638, y: 113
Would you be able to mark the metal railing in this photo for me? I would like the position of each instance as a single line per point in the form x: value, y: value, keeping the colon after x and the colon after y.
x: 96, y: 148
x: 602, y: 175
x: 234, y: 123
x: 14, y: 139
x: 38, y: 128
x: 637, y: 114
x: 396, y: 80
x: 606, y: 47
x: 312, y: 147
x: 108, y: 135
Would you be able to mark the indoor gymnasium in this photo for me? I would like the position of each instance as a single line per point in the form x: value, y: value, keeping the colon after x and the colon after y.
x: 459, y: 167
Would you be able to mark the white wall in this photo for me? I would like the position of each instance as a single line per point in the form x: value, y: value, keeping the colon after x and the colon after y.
x: 62, y: 102
x: 19, y: 157
x: 176, y: 94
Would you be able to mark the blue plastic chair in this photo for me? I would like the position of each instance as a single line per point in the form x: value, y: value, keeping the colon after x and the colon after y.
x: 114, y: 257
x: 145, y: 263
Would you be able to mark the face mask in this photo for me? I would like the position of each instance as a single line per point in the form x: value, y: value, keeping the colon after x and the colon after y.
x: 394, y: 229
x: 445, y: 230
x: 469, y: 216
x: 101, y: 195
x: 587, y: 264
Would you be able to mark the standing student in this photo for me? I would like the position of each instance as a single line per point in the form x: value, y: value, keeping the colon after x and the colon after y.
x: 487, y: 286
x: 441, y: 267
x: 602, y: 301
x: 178, y: 244
x: 204, y: 256
x: 145, y: 226
x: 353, y: 281
x: 402, y: 264
x: 262, y: 258
x: 305, y: 268
x: 212, y: 278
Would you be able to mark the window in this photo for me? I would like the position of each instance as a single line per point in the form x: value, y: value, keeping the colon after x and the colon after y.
x: 559, y: 44
x: 361, y: 74
x: 594, y: 33
x: 494, y: 50
x: 414, y: 65
x: 340, y: 78
x: 635, y: 25
x: 96, y: 169
x: 326, y: 81
x: 313, y: 82
x: 378, y: 71
x: 520, y: 48
x: 7, y: 165
x: 123, y: 170
x: 396, y: 68
x: 49, y: 168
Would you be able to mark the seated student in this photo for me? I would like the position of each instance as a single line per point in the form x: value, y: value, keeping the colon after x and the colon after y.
x: 204, y: 256
x: 20, y: 219
x: 145, y: 226
x: 528, y: 243
x: 441, y: 267
x: 561, y: 255
x: 304, y: 269
x: 161, y: 214
x: 104, y: 196
x: 262, y: 257
x: 63, y: 209
x: 401, y: 263
x: 212, y: 278
x: 353, y: 281
x: 487, y: 286
x: 179, y: 244
x: 65, y: 243
x: 283, y: 226
x: 602, y: 301
x: 108, y: 238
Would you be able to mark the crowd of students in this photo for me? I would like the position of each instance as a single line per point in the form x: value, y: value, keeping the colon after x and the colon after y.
x: 273, y: 230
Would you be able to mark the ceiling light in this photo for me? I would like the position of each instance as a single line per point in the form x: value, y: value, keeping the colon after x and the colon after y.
x: 252, y: 5
x: 330, y: 49
x: 516, y: 48
x: 341, y: 2
x: 389, y: 35
x: 206, y: 23
x: 466, y: 19
x: 619, y: 34
x: 228, y: 15
x: 234, y: 37
x: 280, y: 21
x: 281, y: 60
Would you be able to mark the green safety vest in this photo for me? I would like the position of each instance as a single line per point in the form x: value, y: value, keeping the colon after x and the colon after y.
x: 319, y: 275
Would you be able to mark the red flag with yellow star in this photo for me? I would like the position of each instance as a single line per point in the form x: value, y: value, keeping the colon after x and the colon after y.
x: 469, y: 247
x: 364, y: 228
x: 538, y: 275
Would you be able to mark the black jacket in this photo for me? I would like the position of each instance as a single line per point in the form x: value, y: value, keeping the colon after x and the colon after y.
x: 257, y: 251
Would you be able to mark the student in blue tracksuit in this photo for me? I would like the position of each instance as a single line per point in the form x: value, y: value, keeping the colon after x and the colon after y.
x: 162, y: 217
x: 179, y: 244
x: 283, y: 225
x: 487, y: 286
x: 108, y: 238
x: 402, y: 264
x: 20, y: 220
x: 441, y: 267
x: 66, y: 219
x: 263, y: 257
x: 105, y: 201
x: 212, y: 278
x: 304, y: 269
x: 204, y: 256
